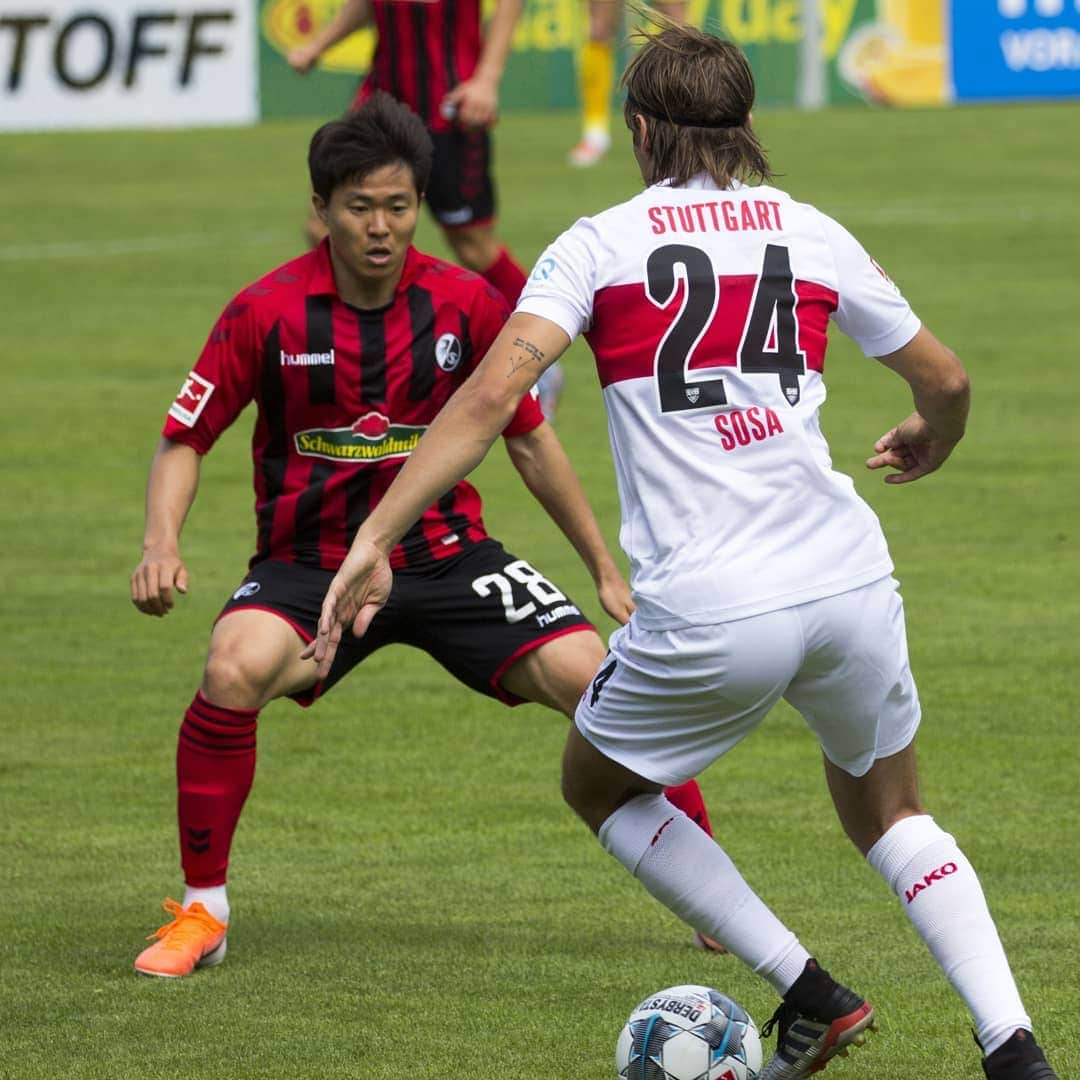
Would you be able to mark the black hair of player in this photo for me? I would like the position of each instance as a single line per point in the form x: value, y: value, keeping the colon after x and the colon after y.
x: 380, y: 132
x: 695, y: 91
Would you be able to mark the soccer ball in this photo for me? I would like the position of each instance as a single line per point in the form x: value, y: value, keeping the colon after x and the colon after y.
x: 688, y: 1033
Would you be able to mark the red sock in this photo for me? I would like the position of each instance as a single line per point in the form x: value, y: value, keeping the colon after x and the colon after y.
x: 688, y: 798
x: 215, y: 765
x: 505, y: 275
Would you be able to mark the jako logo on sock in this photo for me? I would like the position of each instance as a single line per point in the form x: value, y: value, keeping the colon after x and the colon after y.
x: 929, y: 879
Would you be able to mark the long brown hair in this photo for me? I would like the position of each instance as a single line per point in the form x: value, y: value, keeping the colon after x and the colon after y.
x: 695, y: 92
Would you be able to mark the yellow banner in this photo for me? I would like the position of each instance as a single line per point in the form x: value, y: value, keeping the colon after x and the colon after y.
x: 288, y: 23
x: 900, y: 58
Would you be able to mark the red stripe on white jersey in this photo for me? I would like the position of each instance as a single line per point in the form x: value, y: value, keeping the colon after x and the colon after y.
x: 628, y: 328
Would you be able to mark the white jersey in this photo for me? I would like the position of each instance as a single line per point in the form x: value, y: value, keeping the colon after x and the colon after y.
x: 707, y: 312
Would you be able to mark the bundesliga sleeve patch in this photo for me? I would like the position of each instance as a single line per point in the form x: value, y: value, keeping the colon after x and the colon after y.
x: 191, y: 400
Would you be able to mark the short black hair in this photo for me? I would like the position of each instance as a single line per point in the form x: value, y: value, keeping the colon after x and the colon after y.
x: 380, y: 132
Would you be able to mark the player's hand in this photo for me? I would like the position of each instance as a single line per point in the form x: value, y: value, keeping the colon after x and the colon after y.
x: 912, y: 448
x: 358, y: 591
x: 614, y: 593
x: 303, y: 58
x: 474, y: 103
x: 154, y: 579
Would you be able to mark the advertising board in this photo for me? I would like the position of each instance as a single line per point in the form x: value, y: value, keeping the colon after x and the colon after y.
x: 126, y: 63
x: 1015, y: 49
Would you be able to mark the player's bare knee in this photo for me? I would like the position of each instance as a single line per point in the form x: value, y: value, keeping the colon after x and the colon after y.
x: 231, y: 680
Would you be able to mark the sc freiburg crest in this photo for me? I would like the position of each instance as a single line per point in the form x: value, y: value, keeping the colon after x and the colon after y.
x: 448, y: 352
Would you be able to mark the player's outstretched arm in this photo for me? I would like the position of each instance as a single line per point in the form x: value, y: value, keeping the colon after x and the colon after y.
x: 351, y: 16
x: 451, y: 448
x: 359, y: 589
x: 475, y: 101
x: 939, y: 385
x: 542, y: 462
x: 170, y: 491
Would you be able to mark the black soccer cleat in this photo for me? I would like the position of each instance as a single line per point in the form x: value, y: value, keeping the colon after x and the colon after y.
x: 1018, y: 1058
x: 818, y: 1020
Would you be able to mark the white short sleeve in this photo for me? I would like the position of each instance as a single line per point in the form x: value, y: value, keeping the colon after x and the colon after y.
x: 562, y: 284
x: 871, y: 309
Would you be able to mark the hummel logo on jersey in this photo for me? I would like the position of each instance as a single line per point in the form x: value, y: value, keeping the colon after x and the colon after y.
x: 448, y: 352
x: 307, y: 359
x: 929, y: 879
x: 546, y: 618
x: 191, y: 400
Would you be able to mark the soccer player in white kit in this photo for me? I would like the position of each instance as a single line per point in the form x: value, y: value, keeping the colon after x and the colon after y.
x: 757, y: 571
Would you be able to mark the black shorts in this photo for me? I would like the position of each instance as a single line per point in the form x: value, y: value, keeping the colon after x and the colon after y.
x: 460, y: 191
x: 476, y: 613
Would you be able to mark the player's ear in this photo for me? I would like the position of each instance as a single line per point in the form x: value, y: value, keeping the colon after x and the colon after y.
x: 641, y: 132
x: 318, y: 204
x: 640, y: 128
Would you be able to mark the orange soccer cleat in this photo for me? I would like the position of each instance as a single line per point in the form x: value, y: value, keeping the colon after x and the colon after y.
x: 592, y: 147
x: 193, y: 939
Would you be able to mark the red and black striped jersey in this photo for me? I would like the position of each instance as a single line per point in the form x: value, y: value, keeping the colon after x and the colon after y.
x: 343, y: 397
x: 424, y: 49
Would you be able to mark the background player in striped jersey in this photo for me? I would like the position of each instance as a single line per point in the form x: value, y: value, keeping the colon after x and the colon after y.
x: 757, y: 571
x: 596, y: 74
x: 349, y: 353
x: 436, y: 57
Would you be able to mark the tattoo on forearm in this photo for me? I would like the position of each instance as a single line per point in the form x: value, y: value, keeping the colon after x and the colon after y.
x: 529, y: 354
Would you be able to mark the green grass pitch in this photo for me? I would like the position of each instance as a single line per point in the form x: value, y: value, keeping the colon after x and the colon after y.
x: 411, y: 899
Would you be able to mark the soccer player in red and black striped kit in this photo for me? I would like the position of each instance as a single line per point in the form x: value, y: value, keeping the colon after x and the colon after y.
x: 349, y: 352
x: 438, y: 58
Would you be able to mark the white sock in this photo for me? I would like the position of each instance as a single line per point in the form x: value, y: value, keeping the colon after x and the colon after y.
x: 687, y: 871
x: 212, y: 897
x: 941, y: 894
x: 598, y: 136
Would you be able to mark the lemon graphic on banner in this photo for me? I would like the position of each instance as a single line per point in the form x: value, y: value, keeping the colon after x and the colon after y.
x: 288, y: 23
x: 900, y: 58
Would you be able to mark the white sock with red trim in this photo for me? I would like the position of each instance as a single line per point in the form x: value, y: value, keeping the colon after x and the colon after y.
x: 942, y: 897
x: 689, y: 873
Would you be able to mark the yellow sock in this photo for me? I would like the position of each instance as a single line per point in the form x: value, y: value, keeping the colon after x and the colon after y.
x: 596, y: 76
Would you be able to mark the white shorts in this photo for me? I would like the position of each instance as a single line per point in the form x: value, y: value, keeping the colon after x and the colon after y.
x: 667, y: 703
